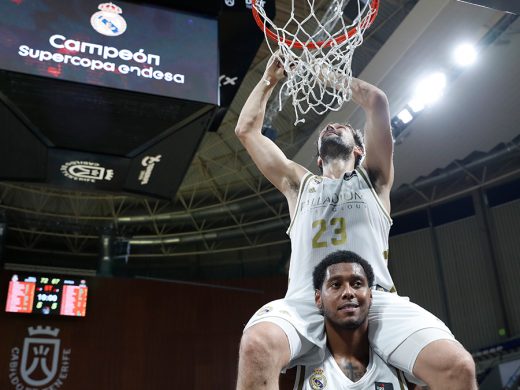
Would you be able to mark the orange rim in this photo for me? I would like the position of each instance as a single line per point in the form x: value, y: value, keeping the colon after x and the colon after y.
x: 367, y: 22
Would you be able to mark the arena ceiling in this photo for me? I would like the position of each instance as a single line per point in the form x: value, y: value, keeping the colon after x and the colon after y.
x: 226, y: 220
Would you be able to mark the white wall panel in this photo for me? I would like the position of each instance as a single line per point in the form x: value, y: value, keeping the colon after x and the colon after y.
x: 474, y: 307
x: 413, y: 268
x: 506, y: 219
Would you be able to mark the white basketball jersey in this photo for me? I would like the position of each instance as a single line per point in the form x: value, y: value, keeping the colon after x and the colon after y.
x: 332, y: 215
x: 328, y: 376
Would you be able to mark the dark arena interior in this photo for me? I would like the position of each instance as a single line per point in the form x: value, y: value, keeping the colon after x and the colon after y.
x: 137, y: 236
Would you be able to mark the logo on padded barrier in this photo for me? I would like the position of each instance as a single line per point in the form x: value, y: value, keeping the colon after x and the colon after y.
x: 41, y: 362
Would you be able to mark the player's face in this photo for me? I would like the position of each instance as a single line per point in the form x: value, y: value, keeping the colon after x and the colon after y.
x: 337, y: 131
x: 336, y: 141
x: 345, y: 295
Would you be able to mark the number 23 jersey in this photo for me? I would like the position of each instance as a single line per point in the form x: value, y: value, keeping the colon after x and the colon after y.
x: 332, y: 215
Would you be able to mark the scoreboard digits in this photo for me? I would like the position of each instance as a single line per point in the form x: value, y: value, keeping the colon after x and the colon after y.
x: 47, y: 295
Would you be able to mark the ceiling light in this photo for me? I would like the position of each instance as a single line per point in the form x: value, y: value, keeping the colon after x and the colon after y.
x: 430, y: 89
x: 405, y: 116
x: 465, y: 54
x: 416, y: 105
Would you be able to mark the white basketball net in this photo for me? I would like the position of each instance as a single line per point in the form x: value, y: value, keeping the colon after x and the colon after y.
x: 318, y: 78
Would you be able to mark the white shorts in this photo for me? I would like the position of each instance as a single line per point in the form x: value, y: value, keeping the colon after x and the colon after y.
x: 301, y: 322
x: 392, y: 321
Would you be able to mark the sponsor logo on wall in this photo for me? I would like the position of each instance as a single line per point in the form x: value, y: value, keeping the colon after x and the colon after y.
x: 227, y: 80
x: 41, y: 363
x: 149, y: 163
x: 259, y: 3
x: 108, y: 20
x: 248, y: 3
x: 86, y: 171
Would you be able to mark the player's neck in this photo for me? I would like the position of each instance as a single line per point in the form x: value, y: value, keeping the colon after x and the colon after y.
x: 336, y: 168
x: 348, y: 343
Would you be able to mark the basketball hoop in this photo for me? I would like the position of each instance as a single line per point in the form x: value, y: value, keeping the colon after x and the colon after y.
x: 318, y: 63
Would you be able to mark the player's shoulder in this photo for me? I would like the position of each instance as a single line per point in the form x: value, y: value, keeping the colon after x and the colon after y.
x: 298, y: 177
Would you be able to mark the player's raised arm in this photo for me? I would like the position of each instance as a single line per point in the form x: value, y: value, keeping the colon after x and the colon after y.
x: 283, y: 173
x: 379, y: 145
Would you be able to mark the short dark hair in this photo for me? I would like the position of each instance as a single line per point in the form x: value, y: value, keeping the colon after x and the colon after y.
x: 358, y: 140
x: 318, y: 275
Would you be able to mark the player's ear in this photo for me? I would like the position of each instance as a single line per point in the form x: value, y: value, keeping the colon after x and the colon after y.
x: 319, y: 161
x: 317, y: 299
x: 358, y: 151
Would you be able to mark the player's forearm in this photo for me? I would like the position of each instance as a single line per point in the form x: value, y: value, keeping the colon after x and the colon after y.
x: 378, y: 136
x: 252, y: 115
x: 368, y: 96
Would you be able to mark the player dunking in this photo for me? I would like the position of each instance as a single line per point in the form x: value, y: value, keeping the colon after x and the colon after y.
x: 346, y: 208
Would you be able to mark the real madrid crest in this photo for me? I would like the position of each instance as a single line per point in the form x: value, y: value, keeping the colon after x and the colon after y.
x: 107, y: 21
x: 318, y: 380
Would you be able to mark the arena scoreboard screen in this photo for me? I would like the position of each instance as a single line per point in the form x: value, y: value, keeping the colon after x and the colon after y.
x: 49, y: 295
x: 133, y: 47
